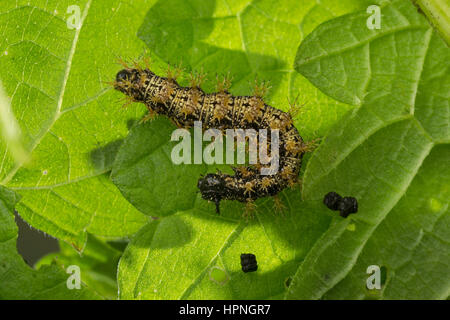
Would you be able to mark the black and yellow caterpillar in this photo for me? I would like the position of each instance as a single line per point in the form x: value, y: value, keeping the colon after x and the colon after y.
x: 220, y: 110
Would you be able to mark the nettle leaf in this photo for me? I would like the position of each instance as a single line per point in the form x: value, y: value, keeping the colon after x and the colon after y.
x: 147, y: 177
x: 391, y: 154
x: 249, y: 40
x: 195, y: 254
x: 19, y: 281
x: 179, y: 254
x: 70, y: 120
x: 188, y: 251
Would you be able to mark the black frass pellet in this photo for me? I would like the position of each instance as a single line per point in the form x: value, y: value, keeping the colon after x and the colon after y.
x: 345, y: 205
x: 248, y: 262
x: 348, y: 205
x: 332, y: 200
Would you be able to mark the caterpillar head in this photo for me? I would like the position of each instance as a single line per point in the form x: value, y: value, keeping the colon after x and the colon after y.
x: 213, y: 188
x: 126, y: 80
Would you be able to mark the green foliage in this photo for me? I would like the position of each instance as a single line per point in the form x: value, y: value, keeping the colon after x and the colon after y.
x: 391, y: 154
x: 68, y: 116
x: 438, y: 13
x: 97, y: 262
x: 173, y: 257
x: 383, y: 93
x: 19, y: 281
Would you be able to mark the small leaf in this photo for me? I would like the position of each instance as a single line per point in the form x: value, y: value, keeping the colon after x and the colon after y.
x: 97, y: 262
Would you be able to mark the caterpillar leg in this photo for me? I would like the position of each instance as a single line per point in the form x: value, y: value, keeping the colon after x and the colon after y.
x: 148, y: 117
x: 217, y: 202
x: 297, y: 184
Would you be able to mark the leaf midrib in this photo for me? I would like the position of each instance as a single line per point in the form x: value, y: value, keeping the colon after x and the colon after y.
x: 360, y: 44
x: 341, y: 275
x: 387, y: 123
x: 57, y: 112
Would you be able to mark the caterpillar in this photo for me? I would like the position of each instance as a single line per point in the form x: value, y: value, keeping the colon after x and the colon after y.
x: 220, y: 110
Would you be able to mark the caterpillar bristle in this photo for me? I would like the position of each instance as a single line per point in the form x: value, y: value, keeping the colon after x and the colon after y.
x: 309, y: 146
x: 173, y: 73
x: 127, y: 101
x: 123, y: 63
x: 260, y: 89
x: 147, y: 62
x: 137, y: 65
x: 224, y: 85
x: 295, y: 108
x: 196, y: 79
x: 278, y: 204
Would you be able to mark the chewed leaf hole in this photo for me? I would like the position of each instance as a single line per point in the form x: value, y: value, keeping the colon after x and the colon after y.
x: 287, y: 282
x: 218, y: 275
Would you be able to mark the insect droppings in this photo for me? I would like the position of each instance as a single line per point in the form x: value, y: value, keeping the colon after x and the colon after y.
x: 345, y: 205
x: 248, y: 262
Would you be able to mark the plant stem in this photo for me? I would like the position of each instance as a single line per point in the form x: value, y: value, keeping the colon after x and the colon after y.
x: 438, y: 13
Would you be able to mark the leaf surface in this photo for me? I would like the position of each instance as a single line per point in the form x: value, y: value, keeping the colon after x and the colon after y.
x: 189, y: 252
x: 69, y: 117
x: 18, y: 280
x: 391, y: 154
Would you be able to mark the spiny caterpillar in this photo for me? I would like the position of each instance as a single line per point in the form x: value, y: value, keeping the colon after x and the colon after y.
x: 220, y: 110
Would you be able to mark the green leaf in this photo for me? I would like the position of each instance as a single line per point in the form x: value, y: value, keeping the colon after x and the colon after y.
x: 19, y: 281
x: 391, y: 154
x: 189, y: 252
x: 173, y: 256
x: 97, y: 262
x: 249, y: 40
x: 195, y: 254
x: 147, y: 177
x: 69, y: 117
